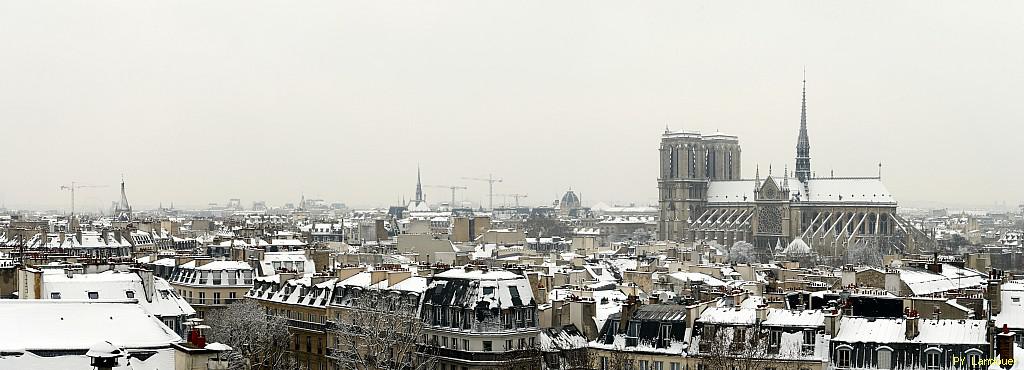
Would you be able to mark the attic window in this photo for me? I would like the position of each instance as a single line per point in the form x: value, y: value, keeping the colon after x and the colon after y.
x: 488, y: 290
x: 94, y: 295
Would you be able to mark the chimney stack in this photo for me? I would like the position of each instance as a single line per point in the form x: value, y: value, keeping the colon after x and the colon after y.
x: 319, y: 278
x: 912, y: 329
x: 378, y: 276
x: 395, y: 277
x: 628, y: 308
x: 995, y: 291
x: 287, y: 276
x: 893, y: 283
x: 1004, y: 347
x: 832, y: 322
x: 762, y: 313
x: 347, y: 272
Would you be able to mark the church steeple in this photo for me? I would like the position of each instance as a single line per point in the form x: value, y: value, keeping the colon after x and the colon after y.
x: 419, y: 187
x: 803, y: 144
x: 124, y: 210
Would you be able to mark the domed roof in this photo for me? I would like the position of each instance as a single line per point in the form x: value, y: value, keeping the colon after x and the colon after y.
x: 797, y: 248
x: 570, y: 200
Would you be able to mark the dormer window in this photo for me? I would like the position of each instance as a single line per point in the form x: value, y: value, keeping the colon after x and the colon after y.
x: 666, y: 335
x: 807, y: 346
x: 774, y: 340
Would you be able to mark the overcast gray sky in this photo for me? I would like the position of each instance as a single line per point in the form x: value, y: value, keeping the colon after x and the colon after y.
x: 201, y: 101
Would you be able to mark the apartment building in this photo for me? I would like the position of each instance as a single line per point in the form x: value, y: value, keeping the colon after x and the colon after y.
x: 479, y: 318
x: 207, y: 284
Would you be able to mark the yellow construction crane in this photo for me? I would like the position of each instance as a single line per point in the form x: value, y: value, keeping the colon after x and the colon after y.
x: 453, y: 189
x: 74, y: 186
x: 490, y: 182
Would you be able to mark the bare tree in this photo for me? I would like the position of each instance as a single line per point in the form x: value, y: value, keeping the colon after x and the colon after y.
x: 521, y: 359
x: 380, y: 330
x: 865, y: 251
x: 543, y: 226
x: 727, y: 347
x: 578, y: 359
x: 742, y: 252
x: 258, y: 340
x: 620, y: 359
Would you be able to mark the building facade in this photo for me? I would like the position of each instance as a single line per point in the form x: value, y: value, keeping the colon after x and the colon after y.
x: 206, y: 284
x: 478, y: 319
x: 703, y: 196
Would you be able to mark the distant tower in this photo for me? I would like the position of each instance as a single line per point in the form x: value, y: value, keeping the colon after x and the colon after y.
x: 803, y: 144
x: 419, y: 187
x: 124, y: 210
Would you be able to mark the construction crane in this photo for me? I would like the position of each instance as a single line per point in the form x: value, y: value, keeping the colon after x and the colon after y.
x: 453, y: 189
x: 490, y: 186
x: 514, y: 196
x: 74, y: 186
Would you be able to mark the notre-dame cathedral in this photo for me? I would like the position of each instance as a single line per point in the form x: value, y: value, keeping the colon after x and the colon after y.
x: 703, y: 197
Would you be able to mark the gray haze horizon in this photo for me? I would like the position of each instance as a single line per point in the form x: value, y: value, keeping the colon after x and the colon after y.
x: 197, y: 102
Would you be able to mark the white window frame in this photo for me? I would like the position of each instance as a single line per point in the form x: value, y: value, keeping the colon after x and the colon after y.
x: 933, y: 353
x: 841, y: 352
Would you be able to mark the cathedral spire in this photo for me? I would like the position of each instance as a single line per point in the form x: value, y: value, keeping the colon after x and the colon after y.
x: 803, y: 144
x: 757, y: 176
x: 124, y: 210
x: 785, y: 178
x: 419, y: 186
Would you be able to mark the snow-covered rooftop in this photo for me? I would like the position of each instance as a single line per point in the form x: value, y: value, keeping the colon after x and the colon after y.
x: 1011, y: 310
x: 820, y: 190
x: 862, y: 329
x: 164, y: 302
x: 76, y: 325
x: 478, y: 274
x: 218, y: 265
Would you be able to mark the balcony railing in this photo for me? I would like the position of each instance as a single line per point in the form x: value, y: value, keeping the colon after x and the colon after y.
x: 307, y: 325
x: 472, y: 356
x: 210, y: 301
x: 448, y: 353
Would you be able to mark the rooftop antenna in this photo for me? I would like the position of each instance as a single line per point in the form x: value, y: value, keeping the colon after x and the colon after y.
x: 879, y: 170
